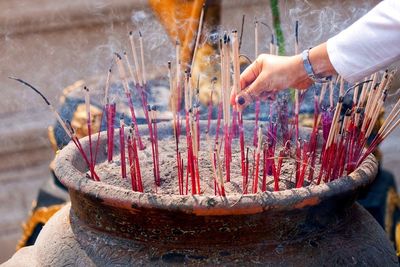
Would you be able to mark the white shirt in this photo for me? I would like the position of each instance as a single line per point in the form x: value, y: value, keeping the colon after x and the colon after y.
x: 368, y: 45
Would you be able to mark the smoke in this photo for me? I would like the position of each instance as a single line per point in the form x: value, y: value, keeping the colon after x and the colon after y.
x: 159, y: 48
x: 319, y: 20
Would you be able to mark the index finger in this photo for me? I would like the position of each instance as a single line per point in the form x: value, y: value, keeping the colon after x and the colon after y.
x: 250, y: 74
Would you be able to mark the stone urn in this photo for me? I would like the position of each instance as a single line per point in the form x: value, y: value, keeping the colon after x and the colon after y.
x: 110, y: 226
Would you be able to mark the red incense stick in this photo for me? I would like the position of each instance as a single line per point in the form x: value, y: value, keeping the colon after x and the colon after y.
x: 125, y: 84
x: 257, y: 160
x: 110, y: 130
x: 122, y: 146
x: 132, y: 164
x: 257, y: 114
x: 246, y: 173
x: 106, y: 101
x: 136, y: 160
x: 155, y: 140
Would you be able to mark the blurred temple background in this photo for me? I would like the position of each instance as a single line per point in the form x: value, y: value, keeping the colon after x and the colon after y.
x: 54, y: 44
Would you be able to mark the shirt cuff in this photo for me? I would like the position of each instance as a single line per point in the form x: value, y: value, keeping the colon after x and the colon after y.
x: 337, y: 60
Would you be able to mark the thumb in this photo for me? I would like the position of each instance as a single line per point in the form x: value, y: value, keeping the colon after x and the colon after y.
x: 251, y: 93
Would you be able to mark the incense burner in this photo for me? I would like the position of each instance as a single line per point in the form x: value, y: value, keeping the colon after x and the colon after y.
x: 110, y: 226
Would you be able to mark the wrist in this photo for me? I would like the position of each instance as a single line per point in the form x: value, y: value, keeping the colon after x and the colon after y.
x: 300, y: 78
x: 319, y: 59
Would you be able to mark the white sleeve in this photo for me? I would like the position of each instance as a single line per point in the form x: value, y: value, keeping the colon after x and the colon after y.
x: 368, y: 45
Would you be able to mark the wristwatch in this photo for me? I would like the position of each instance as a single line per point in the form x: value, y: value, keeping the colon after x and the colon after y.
x: 309, y: 70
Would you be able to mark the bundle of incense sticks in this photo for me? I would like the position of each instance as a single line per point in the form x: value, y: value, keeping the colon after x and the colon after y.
x: 344, y: 146
x: 343, y: 130
x: 225, y: 94
x: 191, y: 139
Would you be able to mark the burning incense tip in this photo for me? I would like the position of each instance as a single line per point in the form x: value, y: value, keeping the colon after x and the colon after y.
x: 130, y: 33
x: 86, y: 89
x: 140, y: 34
x: 118, y: 56
x: 169, y: 64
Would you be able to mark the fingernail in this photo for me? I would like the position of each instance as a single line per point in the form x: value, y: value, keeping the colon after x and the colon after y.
x: 241, y: 100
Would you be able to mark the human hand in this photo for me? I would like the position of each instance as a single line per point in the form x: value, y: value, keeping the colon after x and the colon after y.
x: 268, y: 75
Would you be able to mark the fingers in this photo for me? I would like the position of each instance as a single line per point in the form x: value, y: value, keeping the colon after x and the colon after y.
x: 250, y: 73
x: 247, y: 77
x: 252, y: 93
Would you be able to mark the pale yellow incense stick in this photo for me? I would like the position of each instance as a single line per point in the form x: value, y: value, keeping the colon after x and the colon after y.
x: 178, y: 67
x: 200, y: 26
x: 222, y: 52
x: 236, y: 64
x: 255, y: 38
x: 391, y: 129
x: 392, y: 115
x: 375, y: 115
x: 122, y: 73
x: 135, y: 59
x: 363, y: 94
x: 221, y: 180
x: 336, y: 116
x: 378, y: 93
x: 130, y: 68
x: 323, y: 92
x: 142, y: 58
x: 227, y: 82
x: 106, y: 89
x: 62, y: 123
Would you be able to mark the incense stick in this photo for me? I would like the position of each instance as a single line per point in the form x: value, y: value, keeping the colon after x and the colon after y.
x: 122, y: 146
x: 198, y: 34
x: 89, y: 128
x: 62, y: 123
x: 125, y: 85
